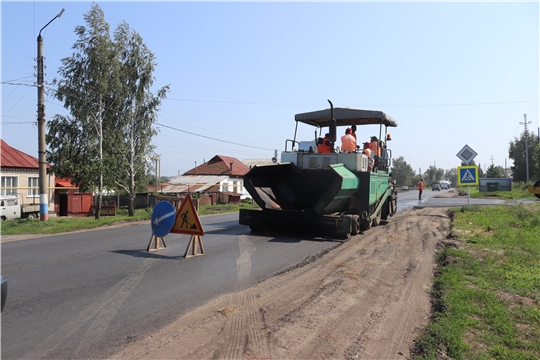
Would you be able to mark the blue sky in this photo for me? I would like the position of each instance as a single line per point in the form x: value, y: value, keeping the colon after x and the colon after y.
x: 451, y: 74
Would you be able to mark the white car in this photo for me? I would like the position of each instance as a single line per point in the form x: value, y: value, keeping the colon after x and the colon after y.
x: 445, y: 186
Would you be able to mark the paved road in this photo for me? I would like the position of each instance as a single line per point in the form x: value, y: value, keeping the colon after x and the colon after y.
x: 82, y: 295
x: 430, y: 198
x: 408, y: 199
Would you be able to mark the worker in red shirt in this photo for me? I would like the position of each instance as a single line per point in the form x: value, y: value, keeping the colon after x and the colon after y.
x: 420, y: 188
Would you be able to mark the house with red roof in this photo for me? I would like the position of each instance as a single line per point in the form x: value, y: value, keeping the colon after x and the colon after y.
x: 20, y: 177
x: 220, y: 180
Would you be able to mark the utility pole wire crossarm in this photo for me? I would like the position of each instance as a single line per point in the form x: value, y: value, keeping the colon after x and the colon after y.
x: 43, y: 194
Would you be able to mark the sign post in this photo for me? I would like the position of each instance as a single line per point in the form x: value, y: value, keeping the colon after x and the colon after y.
x: 467, y: 175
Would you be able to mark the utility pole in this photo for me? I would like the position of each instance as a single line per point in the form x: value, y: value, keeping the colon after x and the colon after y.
x: 524, y: 123
x: 491, y: 158
x: 42, y: 161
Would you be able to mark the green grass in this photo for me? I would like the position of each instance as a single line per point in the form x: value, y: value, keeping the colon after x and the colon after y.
x: 56, y: 225
x: 519, y: 191
x: 224, y: 208
x: 487, y: 291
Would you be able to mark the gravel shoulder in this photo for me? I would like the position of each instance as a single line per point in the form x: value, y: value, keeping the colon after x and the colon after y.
x: 369, y: 298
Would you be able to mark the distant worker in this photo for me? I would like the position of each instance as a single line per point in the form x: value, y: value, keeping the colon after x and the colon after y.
x: 420, y: 188
x: 348, y: 143
x: 324, y: 145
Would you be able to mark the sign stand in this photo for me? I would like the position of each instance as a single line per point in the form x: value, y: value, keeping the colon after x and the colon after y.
x: 193, y: 243
x: 156, y: 239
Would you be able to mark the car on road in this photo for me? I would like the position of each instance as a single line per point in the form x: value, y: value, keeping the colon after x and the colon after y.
x: 435, y: 187
x: 445, y: 186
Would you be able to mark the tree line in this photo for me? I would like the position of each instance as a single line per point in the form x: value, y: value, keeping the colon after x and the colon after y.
x: 106, y: 87
x: 406, y: 176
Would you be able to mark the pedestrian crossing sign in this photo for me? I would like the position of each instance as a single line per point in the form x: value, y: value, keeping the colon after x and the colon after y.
x: 187, y: 219
x: 467, y: 176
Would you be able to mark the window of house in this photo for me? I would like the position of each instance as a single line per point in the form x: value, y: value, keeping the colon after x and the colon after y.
x: 9, y: 185
x: 33, y: 182
x: 225, y: 187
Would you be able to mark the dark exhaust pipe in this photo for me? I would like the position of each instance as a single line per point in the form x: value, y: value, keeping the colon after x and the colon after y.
x: 332, y: 126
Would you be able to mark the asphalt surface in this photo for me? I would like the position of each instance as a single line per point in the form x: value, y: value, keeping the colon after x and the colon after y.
x: 83, y: 295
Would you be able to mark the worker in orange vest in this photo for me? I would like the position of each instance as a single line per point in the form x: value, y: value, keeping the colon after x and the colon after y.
x: 376, y: 150
x: 420, y: 188
x: 367, y: 152
x: 324, y: 145
x: 374, y: 146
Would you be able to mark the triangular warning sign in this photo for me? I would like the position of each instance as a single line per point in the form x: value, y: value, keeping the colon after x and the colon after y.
x: 468, y: 176
x: 187, y: 219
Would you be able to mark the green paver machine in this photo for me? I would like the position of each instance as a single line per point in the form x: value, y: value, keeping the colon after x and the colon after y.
x: 330, y: 194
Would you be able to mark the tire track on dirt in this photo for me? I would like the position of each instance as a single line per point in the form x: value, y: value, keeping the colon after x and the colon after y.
x: 244, y: 324
x: 413, y: 295
x: 344, y: 320
x: 364, y: 299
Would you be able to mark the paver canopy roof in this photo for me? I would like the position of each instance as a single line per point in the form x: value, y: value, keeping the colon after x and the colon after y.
x: 346, y: 117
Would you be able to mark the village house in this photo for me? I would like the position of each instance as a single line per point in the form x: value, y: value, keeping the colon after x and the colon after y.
x: 220, y: 180
x: 20, y: 177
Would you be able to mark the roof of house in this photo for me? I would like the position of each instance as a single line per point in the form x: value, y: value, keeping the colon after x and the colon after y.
x: 220, y: 165
x: 193, y: 183
x: 13, y: 158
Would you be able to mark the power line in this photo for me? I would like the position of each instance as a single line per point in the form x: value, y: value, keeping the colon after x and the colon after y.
x: 211, y: 138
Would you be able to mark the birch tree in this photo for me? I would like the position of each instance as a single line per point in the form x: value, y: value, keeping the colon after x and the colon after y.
x: 137, y: 108
x: 106, y: 87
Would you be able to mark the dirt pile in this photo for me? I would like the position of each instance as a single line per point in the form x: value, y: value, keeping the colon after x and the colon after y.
x: 365, y: 299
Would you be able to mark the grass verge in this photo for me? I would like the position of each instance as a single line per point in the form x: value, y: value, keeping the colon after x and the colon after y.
x: 487, y: 288
x: 519, y: 191
x: 56, y: 225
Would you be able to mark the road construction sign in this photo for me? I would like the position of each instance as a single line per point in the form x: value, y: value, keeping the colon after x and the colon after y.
x: 187, y: 219
x: 467, y: 176
x: 163, y: 218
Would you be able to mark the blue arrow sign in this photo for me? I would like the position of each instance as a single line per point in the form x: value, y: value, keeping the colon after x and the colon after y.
x: 163, y: 218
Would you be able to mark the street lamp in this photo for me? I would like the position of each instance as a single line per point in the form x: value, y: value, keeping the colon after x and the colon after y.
x: 43, y: 194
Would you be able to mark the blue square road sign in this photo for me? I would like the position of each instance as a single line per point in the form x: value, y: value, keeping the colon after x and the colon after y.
x: 467, y: 176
